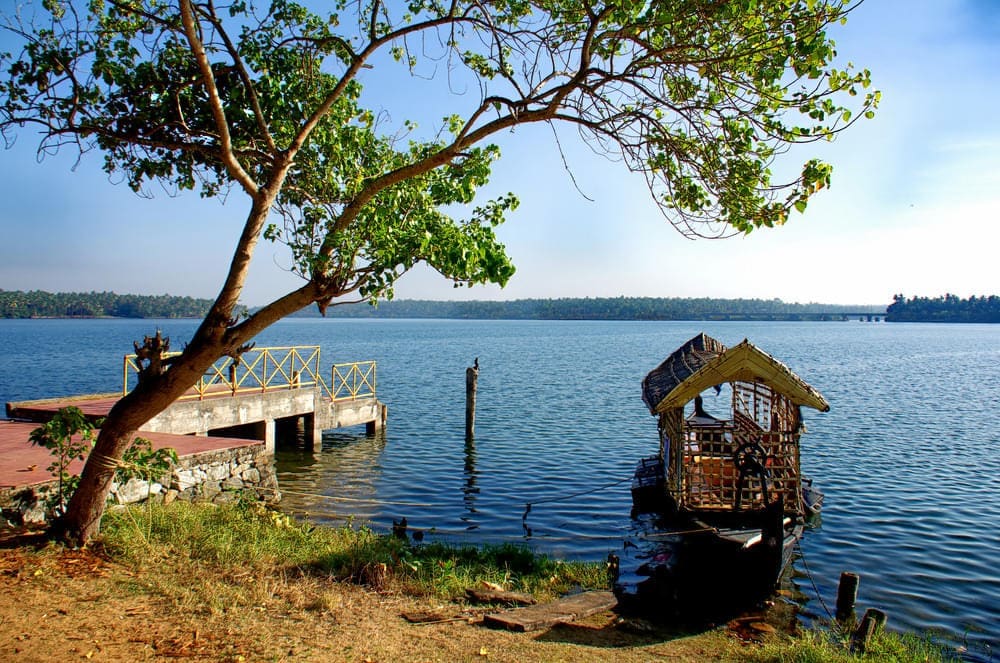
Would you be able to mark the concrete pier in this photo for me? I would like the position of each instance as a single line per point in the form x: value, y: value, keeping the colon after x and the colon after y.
x: 249, y: 399
x: 243, y: 416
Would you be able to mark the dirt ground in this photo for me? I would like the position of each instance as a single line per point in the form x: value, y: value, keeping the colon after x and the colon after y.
x: 65, y: 605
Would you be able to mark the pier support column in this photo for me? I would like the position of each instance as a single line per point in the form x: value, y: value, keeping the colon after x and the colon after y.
x: 312, y: 431
x: 378, y: 423
x: 269, y: 435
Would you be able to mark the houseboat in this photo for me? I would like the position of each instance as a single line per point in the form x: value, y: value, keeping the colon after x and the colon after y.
x: 719, y: 509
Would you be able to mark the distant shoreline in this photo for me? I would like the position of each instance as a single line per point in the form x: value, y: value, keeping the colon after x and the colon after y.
x: 41, y: 305
x: 607, y: 309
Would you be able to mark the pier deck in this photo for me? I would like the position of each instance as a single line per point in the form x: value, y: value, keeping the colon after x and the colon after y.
x: 249, y: 397
x: 238, y: 404
x: 23, y: 464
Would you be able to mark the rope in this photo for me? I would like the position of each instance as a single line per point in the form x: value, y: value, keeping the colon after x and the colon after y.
x: 659, y: 536
x: 438, y: 530
x: 809, y: 575
x: 338, y: 498
x: 104, y: 462
x: 528, y: 505
x: 466, y: 532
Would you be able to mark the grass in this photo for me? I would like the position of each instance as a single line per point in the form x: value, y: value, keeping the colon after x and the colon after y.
x: 249, y: 538
x: 221, y: 561
x: 825, y: 647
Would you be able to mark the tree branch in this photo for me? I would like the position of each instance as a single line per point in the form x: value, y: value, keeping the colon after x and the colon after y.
x: 227, y: 156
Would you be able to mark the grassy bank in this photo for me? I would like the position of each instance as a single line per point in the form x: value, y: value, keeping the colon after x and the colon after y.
x: 254, y: 539
x: 245, y: 583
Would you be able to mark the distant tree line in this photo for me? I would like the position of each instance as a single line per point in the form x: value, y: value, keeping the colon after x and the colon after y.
x: 947, y: 308
x: 41, y: 304
x: 603, y: 308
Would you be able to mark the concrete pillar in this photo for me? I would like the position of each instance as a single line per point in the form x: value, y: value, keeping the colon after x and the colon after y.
x: 312, y: 431
x: 269, y: 435
x: 378, y: 423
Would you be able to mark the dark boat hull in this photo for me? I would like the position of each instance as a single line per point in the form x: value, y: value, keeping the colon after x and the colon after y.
x: 702, y: 573
x: 687, y: 563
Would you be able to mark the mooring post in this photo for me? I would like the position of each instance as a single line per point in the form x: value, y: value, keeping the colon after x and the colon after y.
x: 471, y: 385
x: 870, y: 625
x: 847, y: 596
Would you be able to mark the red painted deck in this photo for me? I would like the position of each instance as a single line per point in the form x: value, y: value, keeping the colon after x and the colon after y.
x: 23, y: 464
x: 93, y: 406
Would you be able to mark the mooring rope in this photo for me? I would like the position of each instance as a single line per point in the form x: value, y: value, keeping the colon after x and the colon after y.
x: 438, y: 530
x: 339, y: 498
x: 528, y: 505
x: 659, y: 536
x: 809, y: 575
x: 478, y: 534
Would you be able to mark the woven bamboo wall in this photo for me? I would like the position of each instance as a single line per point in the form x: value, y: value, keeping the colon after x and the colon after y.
x: 710, y: 480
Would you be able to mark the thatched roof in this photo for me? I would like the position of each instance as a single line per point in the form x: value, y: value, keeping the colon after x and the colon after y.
x: 704, y: 362
x: 678, y: 367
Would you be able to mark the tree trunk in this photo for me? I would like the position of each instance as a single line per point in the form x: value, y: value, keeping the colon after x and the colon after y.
x: 154, y: 394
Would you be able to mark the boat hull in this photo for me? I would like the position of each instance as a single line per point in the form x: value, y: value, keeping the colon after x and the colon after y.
x: 702, y: 574
x: 704, y: 564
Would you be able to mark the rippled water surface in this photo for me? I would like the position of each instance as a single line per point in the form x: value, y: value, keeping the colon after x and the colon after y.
x: 909, y: 455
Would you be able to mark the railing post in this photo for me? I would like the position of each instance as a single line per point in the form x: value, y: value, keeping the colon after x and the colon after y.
x: 317, y: 373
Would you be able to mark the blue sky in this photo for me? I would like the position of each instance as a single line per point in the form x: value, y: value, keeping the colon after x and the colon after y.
x: 914, y: 207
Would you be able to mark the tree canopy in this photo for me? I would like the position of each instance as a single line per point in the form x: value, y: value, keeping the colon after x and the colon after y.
x: 946, y: 308
x: 699, y: 96
x: 41, y: 304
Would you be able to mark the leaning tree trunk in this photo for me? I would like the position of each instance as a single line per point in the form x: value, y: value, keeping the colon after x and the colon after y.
x: 156, y: 390
x: 152, y: 395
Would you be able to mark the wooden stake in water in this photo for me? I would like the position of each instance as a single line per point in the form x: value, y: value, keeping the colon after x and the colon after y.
x: 871, y: 624
x: 471, y: 385
x: 847, y: 595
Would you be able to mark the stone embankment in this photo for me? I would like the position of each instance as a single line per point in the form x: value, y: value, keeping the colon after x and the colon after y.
x: 213, y: 476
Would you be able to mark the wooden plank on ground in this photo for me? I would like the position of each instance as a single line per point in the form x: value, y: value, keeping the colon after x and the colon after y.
x: 568, y: 609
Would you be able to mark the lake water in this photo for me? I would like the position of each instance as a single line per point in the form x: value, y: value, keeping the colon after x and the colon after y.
x: 909, y: 455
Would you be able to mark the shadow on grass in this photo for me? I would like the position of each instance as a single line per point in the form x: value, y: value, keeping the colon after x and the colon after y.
x: 613, y: 631
x: 24, y: 536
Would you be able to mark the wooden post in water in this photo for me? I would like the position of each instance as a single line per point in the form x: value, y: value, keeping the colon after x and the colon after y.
x: 870, y: 625
x: 471, y: 385
x: 847, y: 596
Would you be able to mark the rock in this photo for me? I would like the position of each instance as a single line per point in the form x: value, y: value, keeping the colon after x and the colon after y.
x: 635, y: 626
x: 185, y: 479
x: 33, y: 514
x: 133, y: 490
x: 217, y: 472
x: 225, y: 497
x: 211, y: 488
x: 169, y: 496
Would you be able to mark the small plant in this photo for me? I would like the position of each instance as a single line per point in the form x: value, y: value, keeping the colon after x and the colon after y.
x: 142, y: 461
x: 68, y: 436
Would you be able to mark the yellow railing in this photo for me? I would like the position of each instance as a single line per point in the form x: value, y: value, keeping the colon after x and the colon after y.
x: 355, y: 380
x: 257, y: 370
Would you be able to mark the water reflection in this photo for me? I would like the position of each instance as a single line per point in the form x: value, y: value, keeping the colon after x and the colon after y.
x: 336, y: 482
x: 470, y: 490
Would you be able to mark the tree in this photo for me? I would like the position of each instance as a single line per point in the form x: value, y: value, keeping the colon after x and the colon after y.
x: 699, y: 96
